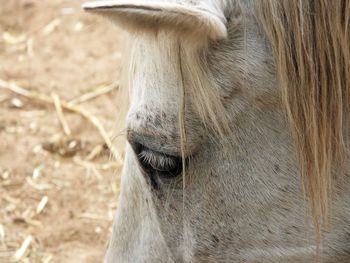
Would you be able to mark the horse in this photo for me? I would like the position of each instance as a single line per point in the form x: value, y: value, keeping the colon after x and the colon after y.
x: 236, y: 131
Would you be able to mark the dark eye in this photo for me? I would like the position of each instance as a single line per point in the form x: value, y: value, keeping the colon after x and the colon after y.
x: 157, y: 163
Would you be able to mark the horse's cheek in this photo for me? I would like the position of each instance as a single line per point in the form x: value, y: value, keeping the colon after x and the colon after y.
x: 136, y: 233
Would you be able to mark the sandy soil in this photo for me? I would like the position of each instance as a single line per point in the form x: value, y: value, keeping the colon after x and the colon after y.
x: 54, y: 191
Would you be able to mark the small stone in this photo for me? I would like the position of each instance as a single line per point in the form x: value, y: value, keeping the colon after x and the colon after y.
x: 16, y: 103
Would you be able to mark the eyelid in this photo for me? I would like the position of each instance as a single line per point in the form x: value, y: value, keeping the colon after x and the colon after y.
x: 157, y: 160
x: 157, y: 165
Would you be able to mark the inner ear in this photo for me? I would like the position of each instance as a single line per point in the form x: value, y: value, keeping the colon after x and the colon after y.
x: 135, y: 15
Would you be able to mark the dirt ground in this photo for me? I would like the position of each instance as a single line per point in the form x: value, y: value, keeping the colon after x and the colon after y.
x: 58, y: 187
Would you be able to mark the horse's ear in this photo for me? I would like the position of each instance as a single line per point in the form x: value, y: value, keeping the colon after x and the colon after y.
x: 133, y: 15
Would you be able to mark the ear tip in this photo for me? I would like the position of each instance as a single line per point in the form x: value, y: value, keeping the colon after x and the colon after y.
x: 87, y: 6
x: 218, y: 29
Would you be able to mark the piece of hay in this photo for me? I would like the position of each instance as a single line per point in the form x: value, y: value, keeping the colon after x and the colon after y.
x: 96, y: 151
x: 50, y: 27
x: 43, y: 202
x: 93, y: 94
x: 37, y: 171
x: 39, y: 187
x: 48, y: 259
x: 20, y: 253
x: 59, y: 111
x: 2, y: 234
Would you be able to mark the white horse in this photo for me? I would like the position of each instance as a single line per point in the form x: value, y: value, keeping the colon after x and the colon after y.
x: 230, y: 102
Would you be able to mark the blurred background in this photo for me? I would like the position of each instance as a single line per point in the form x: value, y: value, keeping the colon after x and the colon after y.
x: 59, y: 104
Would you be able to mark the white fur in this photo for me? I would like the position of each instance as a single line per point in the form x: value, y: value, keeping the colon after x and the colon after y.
x: 242, y: 200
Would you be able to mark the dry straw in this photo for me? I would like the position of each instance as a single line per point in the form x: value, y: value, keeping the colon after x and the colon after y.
x: 70, y: 106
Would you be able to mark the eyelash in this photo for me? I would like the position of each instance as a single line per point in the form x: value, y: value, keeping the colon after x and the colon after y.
x: 158, y: 164
x: 158, y: 161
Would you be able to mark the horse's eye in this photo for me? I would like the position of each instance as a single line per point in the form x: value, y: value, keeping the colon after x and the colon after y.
x: 160, y: 164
